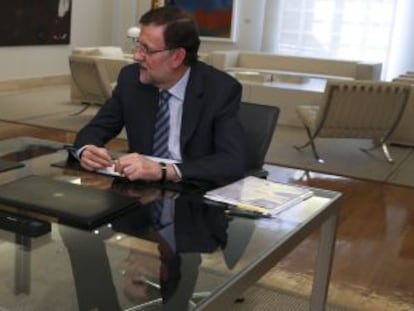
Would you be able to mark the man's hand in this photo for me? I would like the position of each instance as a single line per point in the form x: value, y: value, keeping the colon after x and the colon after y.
x: 135, y: 166
x: 94, y: 158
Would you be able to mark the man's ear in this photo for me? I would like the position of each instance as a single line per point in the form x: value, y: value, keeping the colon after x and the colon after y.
x: 178, y: 57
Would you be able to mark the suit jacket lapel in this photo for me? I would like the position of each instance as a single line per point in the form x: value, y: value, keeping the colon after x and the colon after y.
x: 152, y: 106
x: 192, y: 106
x: 143, y: 114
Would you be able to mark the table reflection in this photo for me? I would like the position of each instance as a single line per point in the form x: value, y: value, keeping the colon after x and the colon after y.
x: 181, y: 227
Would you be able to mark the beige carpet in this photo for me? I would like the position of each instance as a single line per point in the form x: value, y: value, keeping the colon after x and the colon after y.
x: 51, y: 107
x: 342, y: 157
x: 260, y: 298
x: 404, y: 175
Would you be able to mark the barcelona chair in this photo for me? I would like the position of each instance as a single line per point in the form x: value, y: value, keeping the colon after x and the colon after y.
x: 355, y: 109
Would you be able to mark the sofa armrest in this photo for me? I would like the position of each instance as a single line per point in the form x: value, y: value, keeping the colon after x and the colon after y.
x: 100, y: 51
x: 223, y: 59
x: 368, y: 71
x: 112, y: 66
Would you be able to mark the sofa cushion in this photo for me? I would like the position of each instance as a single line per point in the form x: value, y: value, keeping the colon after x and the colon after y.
x: 110, y: 51
x: 84, y: 51
x: 253, y: 76
x: 298, y: 64
x: 104, y: 51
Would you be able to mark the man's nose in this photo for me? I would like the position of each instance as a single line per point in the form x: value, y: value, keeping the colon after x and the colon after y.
x: 138, y: 55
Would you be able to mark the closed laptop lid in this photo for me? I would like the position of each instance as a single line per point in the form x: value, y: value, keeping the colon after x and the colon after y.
x: 6, y: 165
x: 72, y: 204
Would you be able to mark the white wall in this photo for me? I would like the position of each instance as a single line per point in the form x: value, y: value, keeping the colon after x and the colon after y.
x: 401, y: 57
x: 249, y: 17
x: 124, y: 15
x: 91, y: 25
x: 105, y: 22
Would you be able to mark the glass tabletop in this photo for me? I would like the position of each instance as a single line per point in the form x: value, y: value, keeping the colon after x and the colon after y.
x: 174, y: 251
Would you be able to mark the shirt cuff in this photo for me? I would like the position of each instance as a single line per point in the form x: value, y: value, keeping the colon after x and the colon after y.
x: 77, y: 153
x: 177, y: 170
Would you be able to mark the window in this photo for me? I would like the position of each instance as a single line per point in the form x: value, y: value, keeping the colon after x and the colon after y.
x: 345, y: 29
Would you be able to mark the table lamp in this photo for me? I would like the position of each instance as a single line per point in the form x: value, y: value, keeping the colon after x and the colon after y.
x: 133, y: 34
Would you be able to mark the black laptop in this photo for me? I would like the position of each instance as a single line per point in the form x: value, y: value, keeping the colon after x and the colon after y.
x: 6, y: 165
x: 72, y: 204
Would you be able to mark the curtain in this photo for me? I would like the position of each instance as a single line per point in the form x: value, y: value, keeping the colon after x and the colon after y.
x: 344, y: 29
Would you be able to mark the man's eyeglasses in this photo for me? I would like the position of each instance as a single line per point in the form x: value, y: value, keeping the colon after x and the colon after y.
x: 144, y: 49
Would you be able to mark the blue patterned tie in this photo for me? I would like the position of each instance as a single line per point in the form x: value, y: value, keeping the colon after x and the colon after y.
x: 162, y: 127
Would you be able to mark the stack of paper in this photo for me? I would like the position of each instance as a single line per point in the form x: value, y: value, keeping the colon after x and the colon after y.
x: 260, y: 195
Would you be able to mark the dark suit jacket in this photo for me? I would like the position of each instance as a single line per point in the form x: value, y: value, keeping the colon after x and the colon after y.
x: 212, y: 141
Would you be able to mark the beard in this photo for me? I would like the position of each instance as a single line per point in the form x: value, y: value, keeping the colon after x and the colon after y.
x: 144, y: 75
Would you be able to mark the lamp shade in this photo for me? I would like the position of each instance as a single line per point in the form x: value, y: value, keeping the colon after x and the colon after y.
x: 133, y: 32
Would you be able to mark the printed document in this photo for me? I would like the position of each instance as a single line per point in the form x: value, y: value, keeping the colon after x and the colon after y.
x: 260, y: 195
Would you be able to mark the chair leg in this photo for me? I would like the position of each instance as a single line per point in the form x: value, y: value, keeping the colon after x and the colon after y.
x: 385, y: 150
x: 306, y: 176
x: 311, y: 142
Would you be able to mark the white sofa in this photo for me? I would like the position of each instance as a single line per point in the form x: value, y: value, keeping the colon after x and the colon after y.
x: 288, y: 81
x: 279, y: 65
x: 94, y: 71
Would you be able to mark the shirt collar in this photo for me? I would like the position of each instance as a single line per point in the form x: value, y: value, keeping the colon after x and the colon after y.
x: 178, y: 89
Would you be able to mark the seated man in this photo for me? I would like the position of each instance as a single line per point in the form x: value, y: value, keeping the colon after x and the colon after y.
x: 172, y: 106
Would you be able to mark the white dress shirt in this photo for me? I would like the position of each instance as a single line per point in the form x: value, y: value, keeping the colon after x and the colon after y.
x: 175, y: 104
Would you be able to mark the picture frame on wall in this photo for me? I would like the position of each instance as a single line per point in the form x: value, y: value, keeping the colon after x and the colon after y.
x: 35, y: 22
x: 216, y: 19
